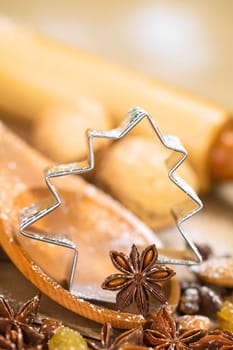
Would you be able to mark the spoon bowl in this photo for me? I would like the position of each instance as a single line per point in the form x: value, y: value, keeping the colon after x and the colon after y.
x: 90, y: 218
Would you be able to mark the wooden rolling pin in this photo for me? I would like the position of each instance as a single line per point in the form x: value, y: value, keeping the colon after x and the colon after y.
x: 36, y: 71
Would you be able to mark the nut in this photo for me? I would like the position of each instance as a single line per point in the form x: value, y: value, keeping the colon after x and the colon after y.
x: 217, y: 271
x: 194, y: 322
x: 134, y: 171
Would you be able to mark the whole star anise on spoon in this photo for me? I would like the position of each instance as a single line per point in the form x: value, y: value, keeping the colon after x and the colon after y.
x: 140, y: 276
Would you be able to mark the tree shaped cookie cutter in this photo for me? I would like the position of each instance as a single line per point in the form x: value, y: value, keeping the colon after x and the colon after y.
x: 181, y: 212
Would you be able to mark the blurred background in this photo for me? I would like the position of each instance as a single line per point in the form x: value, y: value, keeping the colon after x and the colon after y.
x: 186, y: 43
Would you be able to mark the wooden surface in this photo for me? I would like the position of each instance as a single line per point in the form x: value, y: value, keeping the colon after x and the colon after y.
x: 188, y: 44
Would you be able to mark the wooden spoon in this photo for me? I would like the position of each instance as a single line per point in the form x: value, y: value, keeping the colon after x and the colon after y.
x: 88, y: 217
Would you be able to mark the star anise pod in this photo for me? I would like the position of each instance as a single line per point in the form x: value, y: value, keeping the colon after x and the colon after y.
x: 26, y: 312
x: 215, y: 340
x: 140, y: 276
x: 48, y: 327
x: 163, y: 334
x: 19, y: 331
x: 132, y: 337
x: 16, y: 328
x: 16, y: 335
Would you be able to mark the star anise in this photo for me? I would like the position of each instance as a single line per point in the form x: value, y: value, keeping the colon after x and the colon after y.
x: 26, y: 312
x: 132, y: 337
x: 140, y: 276
x: 215, y: 340
x: 19, y: 331
x: 163, y: 334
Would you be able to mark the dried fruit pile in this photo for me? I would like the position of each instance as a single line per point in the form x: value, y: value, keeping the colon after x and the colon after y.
x: 203, y: 321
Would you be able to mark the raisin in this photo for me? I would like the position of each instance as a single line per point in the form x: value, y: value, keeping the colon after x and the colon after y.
x: 209, y: 303
x: 205, y: 250
x: 201, y: 300
x: 225, y: 316
x: 67, y: 339
x: 189, y: 301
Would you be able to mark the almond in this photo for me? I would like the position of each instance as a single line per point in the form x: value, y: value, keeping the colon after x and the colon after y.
x: 218, y: 270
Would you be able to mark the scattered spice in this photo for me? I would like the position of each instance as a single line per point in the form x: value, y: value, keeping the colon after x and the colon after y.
x: 131, y: 338
x: 164, y: 335
x: 20, y: 330
x: 26, y: 313
x: 16, y: 329
x: 48, y: 327
x: 215, y: 340
x: 140, y: 276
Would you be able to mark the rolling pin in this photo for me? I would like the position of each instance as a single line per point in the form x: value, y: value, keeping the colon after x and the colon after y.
x: 36, y: 72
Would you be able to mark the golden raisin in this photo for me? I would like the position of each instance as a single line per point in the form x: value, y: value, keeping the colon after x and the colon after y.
x: 67, y: 339
x: 225, y: 316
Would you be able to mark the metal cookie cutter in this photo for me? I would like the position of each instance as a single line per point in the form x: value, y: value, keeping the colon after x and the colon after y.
x: 181, y: 212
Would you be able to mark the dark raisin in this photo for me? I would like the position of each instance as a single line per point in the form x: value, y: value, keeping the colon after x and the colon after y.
x: 210, y: 302
x: 189, y: 301
x: 205, y: 250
